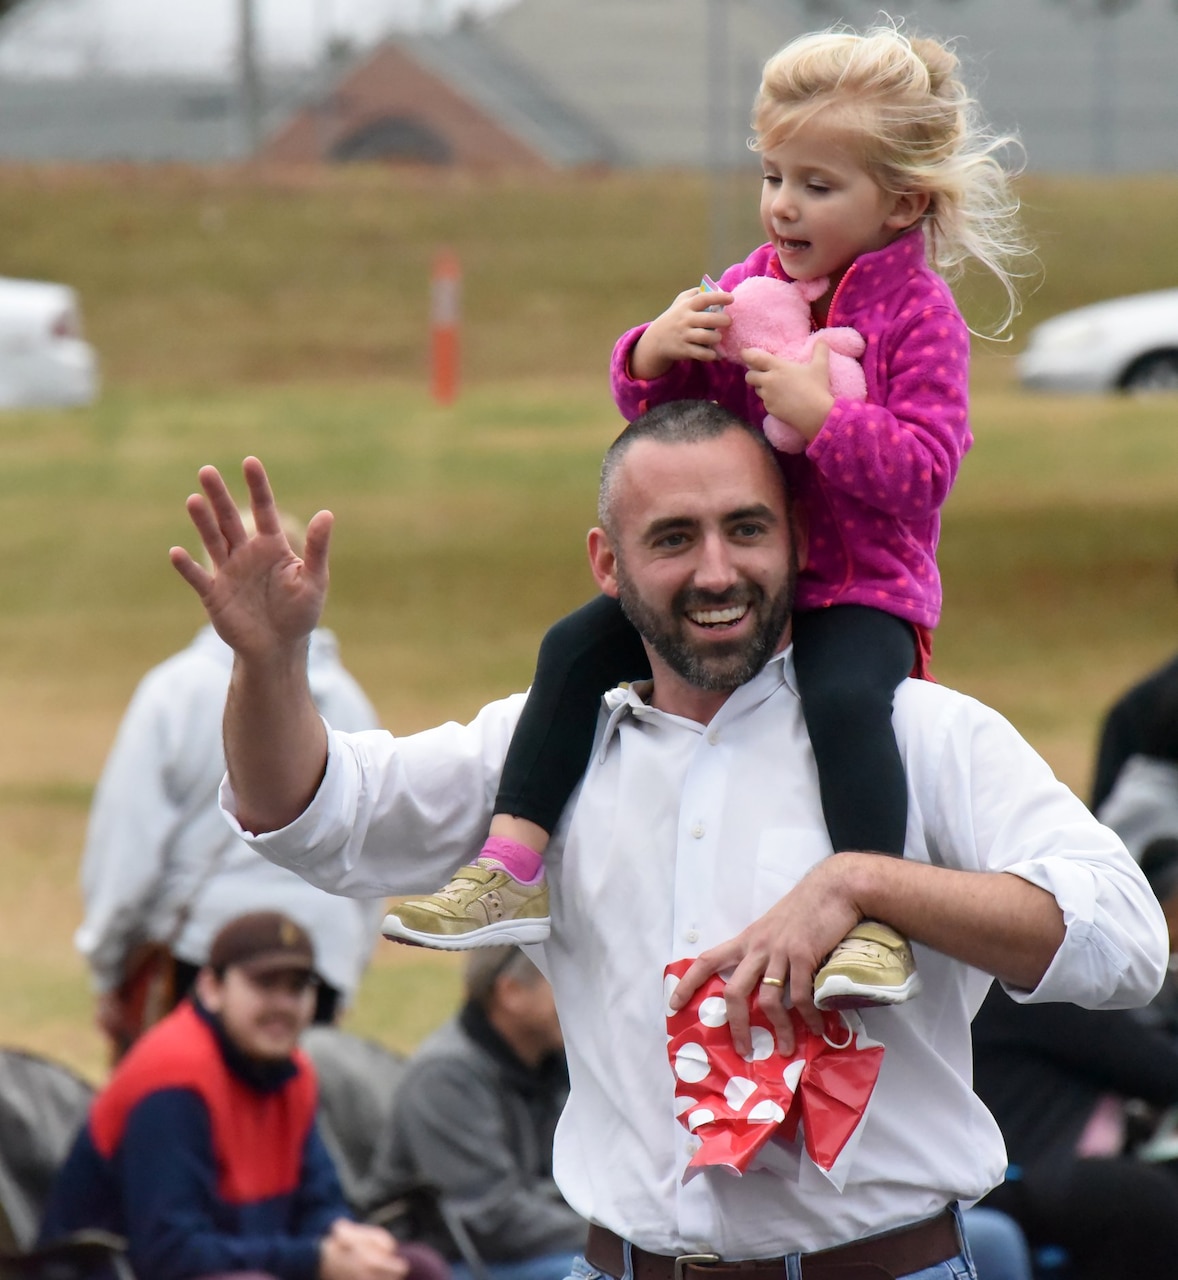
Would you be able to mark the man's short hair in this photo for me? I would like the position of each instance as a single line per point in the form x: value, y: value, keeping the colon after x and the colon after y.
x: 486, y: 965
x: 676, y: 422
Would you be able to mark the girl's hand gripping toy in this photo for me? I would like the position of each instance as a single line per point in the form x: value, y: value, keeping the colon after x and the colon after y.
x: 774, y: 316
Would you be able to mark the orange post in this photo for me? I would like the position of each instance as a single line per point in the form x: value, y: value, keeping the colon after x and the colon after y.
x: 445, y: 299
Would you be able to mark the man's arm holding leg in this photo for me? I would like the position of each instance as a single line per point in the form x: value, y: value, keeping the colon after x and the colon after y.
x: 264, y: 603
x: 992, y: 920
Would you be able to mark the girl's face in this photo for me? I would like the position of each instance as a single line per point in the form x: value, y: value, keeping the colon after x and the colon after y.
x: 821, y: 209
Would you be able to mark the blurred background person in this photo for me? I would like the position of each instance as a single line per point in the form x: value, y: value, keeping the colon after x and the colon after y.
x: 475, y: 1115
x: 1143, y: 721
x: 162, y: 872
x: 1159, y: 861
x: 203, y: 1151
x: 1140, y: 800
x: 1087, y: 1101
x: 1137, y: 780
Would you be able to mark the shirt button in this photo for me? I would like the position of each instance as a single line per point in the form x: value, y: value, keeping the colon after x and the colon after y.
x: 692, y: 935
x: 698, y: 830
x: 713, y: 736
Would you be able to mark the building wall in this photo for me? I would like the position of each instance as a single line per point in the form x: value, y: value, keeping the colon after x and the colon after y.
x: 666, y: 77
x: 641, y: 83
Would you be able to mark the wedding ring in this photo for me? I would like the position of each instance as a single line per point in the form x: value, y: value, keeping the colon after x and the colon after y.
x: 773, y: 982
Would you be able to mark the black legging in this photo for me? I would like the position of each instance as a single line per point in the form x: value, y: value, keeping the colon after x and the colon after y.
x: 849, y: 661
x: 583, y: 655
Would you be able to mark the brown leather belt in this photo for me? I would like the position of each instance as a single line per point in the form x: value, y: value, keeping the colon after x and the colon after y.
x: 892, y: 1254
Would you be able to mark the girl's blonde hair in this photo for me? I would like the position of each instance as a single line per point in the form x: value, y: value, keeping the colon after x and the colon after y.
x: 915, y: 128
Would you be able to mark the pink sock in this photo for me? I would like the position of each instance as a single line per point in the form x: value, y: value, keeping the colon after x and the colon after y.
x: 516, y: 859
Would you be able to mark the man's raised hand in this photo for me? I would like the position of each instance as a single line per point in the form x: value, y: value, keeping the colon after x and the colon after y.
x: 259, y: 595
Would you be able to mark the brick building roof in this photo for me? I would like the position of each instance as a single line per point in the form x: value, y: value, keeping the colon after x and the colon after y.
x: 391, y: 106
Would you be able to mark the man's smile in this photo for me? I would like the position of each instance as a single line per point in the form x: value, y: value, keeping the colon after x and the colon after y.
x: 718, y: 617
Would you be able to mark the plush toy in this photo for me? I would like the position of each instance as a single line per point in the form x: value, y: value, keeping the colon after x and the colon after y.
x: 774, y: 316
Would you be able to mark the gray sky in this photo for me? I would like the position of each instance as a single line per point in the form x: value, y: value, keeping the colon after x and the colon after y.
x: 63, y: 37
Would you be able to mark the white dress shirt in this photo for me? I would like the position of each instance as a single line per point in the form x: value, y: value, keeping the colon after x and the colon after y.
x: 680, y: 836
x: 156, y: 840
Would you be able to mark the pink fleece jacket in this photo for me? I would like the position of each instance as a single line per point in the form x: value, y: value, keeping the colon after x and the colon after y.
x: 871, y: 483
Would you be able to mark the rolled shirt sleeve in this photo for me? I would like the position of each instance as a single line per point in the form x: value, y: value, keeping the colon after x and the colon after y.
x: 996, y: 806
x: 395, y: 815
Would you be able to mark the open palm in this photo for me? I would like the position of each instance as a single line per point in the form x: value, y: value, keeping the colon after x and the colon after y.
x: 259, y: 595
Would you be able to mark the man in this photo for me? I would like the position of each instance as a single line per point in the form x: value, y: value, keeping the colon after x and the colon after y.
x: 1141, y: 805
x: 161, y: 871
x: 1060, y: 1081
x: 698, y: 832
x: 203, y: 1149
x: 475, y: 1116
x: 1141, y: 722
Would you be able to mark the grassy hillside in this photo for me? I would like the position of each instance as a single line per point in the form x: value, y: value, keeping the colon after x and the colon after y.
x: 286, y: 317
x: 205, y: 279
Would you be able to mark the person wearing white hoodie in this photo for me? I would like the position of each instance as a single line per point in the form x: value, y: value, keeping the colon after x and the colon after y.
x: 162, y: 872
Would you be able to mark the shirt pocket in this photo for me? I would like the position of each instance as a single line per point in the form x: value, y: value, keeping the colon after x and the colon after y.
x: 784, y: 855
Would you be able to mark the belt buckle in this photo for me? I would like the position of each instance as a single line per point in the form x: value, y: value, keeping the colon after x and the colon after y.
x: 685, y: 1260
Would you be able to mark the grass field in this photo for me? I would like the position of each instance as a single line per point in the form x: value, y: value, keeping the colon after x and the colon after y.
x: 283, y: 315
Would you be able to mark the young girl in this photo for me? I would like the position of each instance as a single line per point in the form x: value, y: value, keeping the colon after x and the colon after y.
x: 874, y: 166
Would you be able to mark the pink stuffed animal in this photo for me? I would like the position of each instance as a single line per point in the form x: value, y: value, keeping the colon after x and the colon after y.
x: 774, y: 316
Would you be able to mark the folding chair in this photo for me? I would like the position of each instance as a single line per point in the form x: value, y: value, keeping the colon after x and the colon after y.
x: 42, y: 1105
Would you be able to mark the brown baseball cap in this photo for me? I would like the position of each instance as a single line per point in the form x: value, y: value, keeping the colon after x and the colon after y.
x: 263, y: 942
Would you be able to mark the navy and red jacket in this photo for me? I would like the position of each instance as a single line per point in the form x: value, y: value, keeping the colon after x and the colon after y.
x: 204, y: 1160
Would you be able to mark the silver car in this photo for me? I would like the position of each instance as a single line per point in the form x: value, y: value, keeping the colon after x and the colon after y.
x: 1124, y: 344
x: 44, y: 360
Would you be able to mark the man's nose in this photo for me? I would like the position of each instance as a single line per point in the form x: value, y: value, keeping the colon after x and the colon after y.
x: 715, y: 571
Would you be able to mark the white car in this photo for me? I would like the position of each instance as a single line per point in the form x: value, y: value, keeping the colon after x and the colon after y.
x: 44, y: 360
x: 1125, y: 344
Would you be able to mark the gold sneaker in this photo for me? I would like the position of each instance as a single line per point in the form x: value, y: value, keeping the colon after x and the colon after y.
x: 482, y: 906
x: 873, y: 965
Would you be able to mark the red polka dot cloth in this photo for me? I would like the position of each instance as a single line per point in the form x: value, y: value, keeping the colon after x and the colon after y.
x: 734, y: 1105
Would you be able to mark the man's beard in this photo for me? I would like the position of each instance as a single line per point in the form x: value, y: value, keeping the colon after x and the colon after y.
x: 714, y: 667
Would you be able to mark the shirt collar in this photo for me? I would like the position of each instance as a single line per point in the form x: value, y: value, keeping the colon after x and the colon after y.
x: 629, y: 701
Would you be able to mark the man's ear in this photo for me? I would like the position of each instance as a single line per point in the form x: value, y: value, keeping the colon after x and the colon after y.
x: 208, y: 989
x: 907, y: 209
x: 603, y: 562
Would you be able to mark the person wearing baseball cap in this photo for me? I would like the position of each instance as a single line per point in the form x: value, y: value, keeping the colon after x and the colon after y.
x: 203, y: 1149
x: 475, y: 1115
x: 254, y: 961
